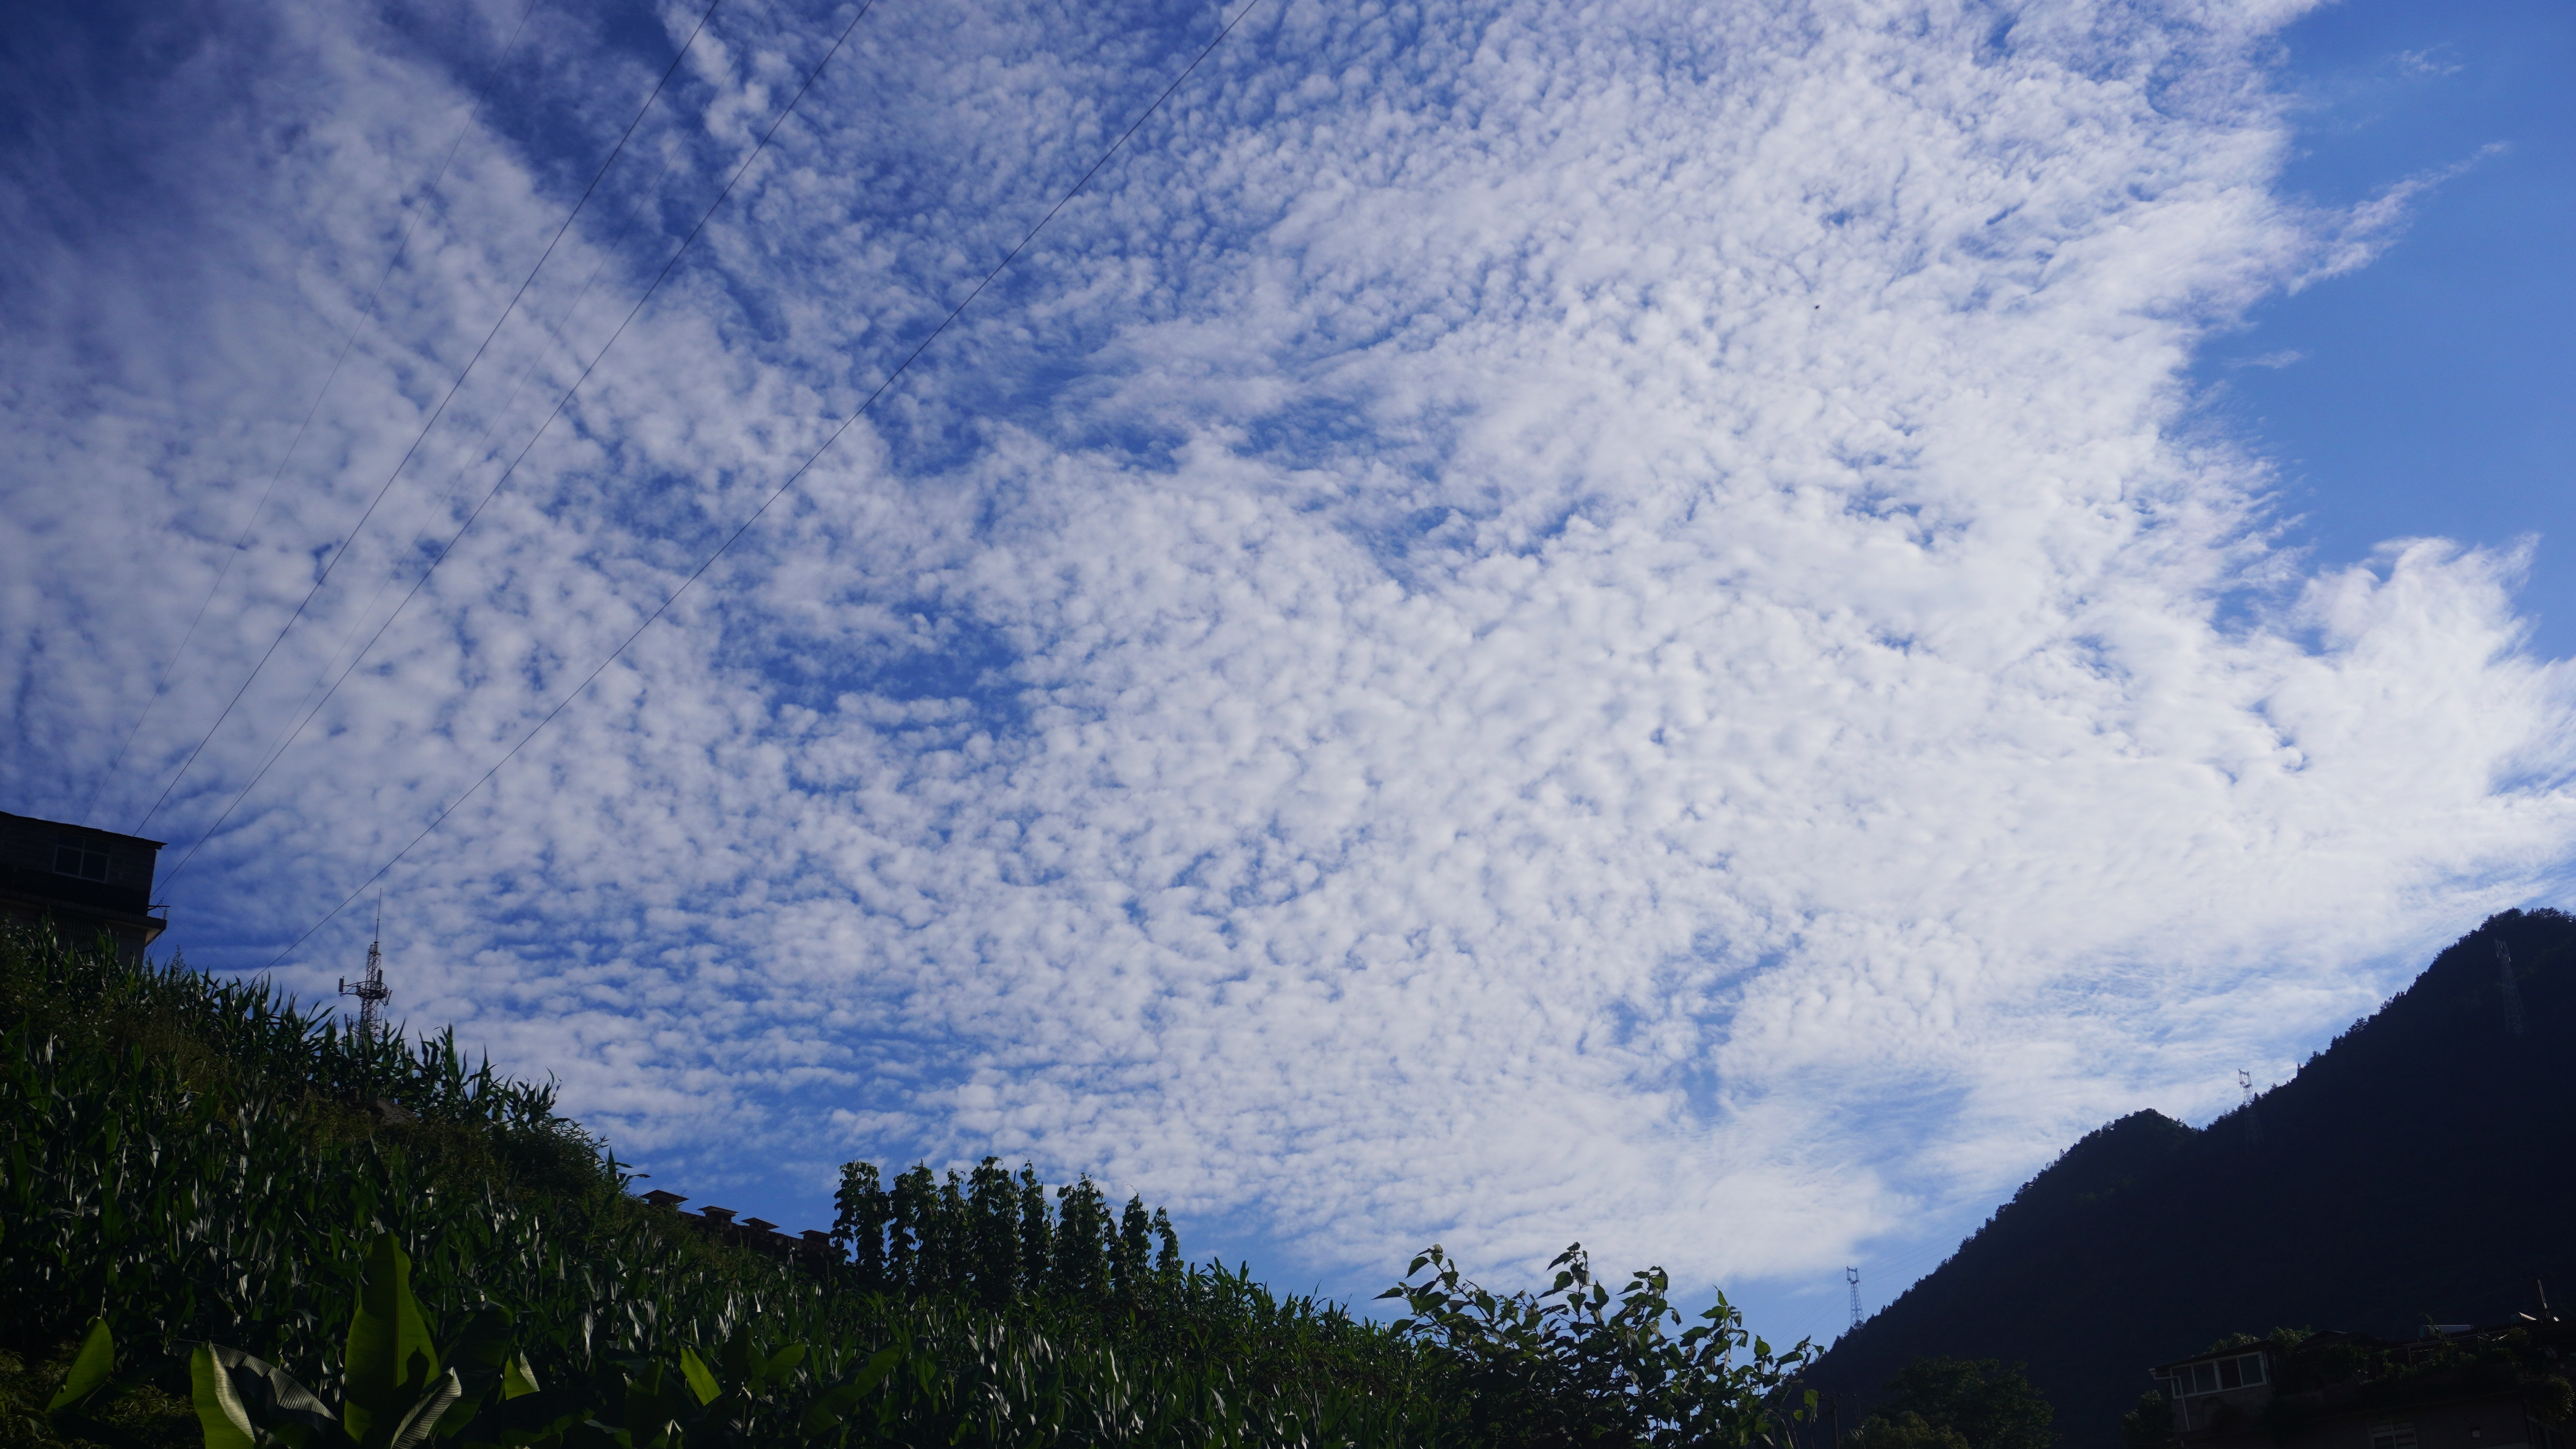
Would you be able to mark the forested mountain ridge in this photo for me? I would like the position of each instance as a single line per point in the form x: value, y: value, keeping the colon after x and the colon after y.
x: 2421, y: 1166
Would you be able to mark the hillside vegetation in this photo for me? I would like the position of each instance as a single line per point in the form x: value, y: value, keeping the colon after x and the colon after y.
x: 224, y: 1214
x: 2420, y: 1167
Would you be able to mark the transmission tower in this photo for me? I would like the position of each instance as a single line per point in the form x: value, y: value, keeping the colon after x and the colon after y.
x: 1852, y: 1276
x: 371, y: 990
x: 2512, y: 993
x: 2253, y: 1123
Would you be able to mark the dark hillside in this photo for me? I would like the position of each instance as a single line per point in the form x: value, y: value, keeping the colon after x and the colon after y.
x: 185, y: 1159
x: 2421, y: 1165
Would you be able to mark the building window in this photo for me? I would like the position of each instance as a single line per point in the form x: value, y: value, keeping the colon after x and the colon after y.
x: 2212, y: 1375
x: 81, y: 861
x: 2387, y: 1433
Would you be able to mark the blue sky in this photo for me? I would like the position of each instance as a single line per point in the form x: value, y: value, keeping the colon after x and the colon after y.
x: 2427, y: 397
x: 1709, y: 630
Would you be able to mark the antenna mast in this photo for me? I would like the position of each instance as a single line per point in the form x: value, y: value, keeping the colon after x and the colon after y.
x: 2512, y: 993
x: 371, y: 990
x: 1852, y: 1276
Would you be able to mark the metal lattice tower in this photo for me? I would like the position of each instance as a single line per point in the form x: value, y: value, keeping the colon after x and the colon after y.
x: 2512, y: 992
x: 2253, y: 1123
x: 1852, y: 1276
x: 371, y: 990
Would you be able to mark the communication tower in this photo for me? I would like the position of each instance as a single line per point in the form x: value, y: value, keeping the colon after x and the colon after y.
x: 2253, y: 1123
x: 371, y: 990
x: 1852, y: 1276
x: 2512, y: 993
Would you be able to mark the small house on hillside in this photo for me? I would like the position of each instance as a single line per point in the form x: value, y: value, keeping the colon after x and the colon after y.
x: 86, y: 881
x: 813, y: 1246
x: 2456, y: 1388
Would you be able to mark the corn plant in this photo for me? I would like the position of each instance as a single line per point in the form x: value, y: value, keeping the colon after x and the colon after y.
x: 188, y: 1162
x: 181, y: 1193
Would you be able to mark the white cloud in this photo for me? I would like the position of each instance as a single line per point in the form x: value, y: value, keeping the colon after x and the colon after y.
x: 2363, y: 233
x: 1521, y: 626
x: 2432, y: 60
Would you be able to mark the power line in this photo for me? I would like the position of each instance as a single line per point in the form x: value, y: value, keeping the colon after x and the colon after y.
x: 506, y: 474
x: 365, y: 315
x: 792, y: 478
x: 278, y: 750
x: 441, y: 411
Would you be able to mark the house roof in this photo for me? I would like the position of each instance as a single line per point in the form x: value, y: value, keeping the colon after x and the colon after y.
x: 90, y: 831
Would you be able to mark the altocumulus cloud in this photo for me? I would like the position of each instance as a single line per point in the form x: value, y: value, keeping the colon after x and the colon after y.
x: 1527, y: 622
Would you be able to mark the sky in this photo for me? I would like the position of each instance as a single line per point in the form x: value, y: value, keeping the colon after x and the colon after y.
x: 2422, y: 394
x: 1710, y: 630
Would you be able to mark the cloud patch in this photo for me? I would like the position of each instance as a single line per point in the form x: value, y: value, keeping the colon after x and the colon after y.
x: 1518, y: 627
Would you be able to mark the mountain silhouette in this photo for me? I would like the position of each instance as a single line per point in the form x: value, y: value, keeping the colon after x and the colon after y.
x: 2418, y: 1168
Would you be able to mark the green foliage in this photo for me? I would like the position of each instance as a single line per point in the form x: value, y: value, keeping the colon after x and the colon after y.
x: 91, y: 1369
x: 1979, y: 1402
x: 2284, y: 1339
x: 992, y: 1238
x: 2383, y: 1375
x: 1905, y: 1429
x: 178, y: 1161
x: 290, y: 1235
x: 390, y: 1366
x: 1575, y: 1365
x: 2551, y: 1398
x: 237, y: 1034
x: 2149, y: 1425
x: 40, y: 1408
x: 397, y: 1397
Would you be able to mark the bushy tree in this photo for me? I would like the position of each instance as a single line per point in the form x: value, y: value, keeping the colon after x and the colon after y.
x: 1576, y: 1367
x: 1904, y: 1429
x: 2150, y: 1424
x: 1978, y: 1402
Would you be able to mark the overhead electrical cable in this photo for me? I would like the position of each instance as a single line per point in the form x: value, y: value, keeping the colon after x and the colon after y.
x: 441, y: 411
x: 366, y: 314
x: 312, y: 706
x: 789, y: 482
x: 561, y: 403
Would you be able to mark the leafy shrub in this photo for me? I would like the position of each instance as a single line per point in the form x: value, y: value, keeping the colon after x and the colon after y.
x: 2150, y: 1424
x: 1905, y: 1429
x: 1980, y: 1402
x: 1574, y: 1366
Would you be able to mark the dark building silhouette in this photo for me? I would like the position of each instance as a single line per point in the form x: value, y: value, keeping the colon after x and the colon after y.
x: 813, y: 1247
x: 86, y: 881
